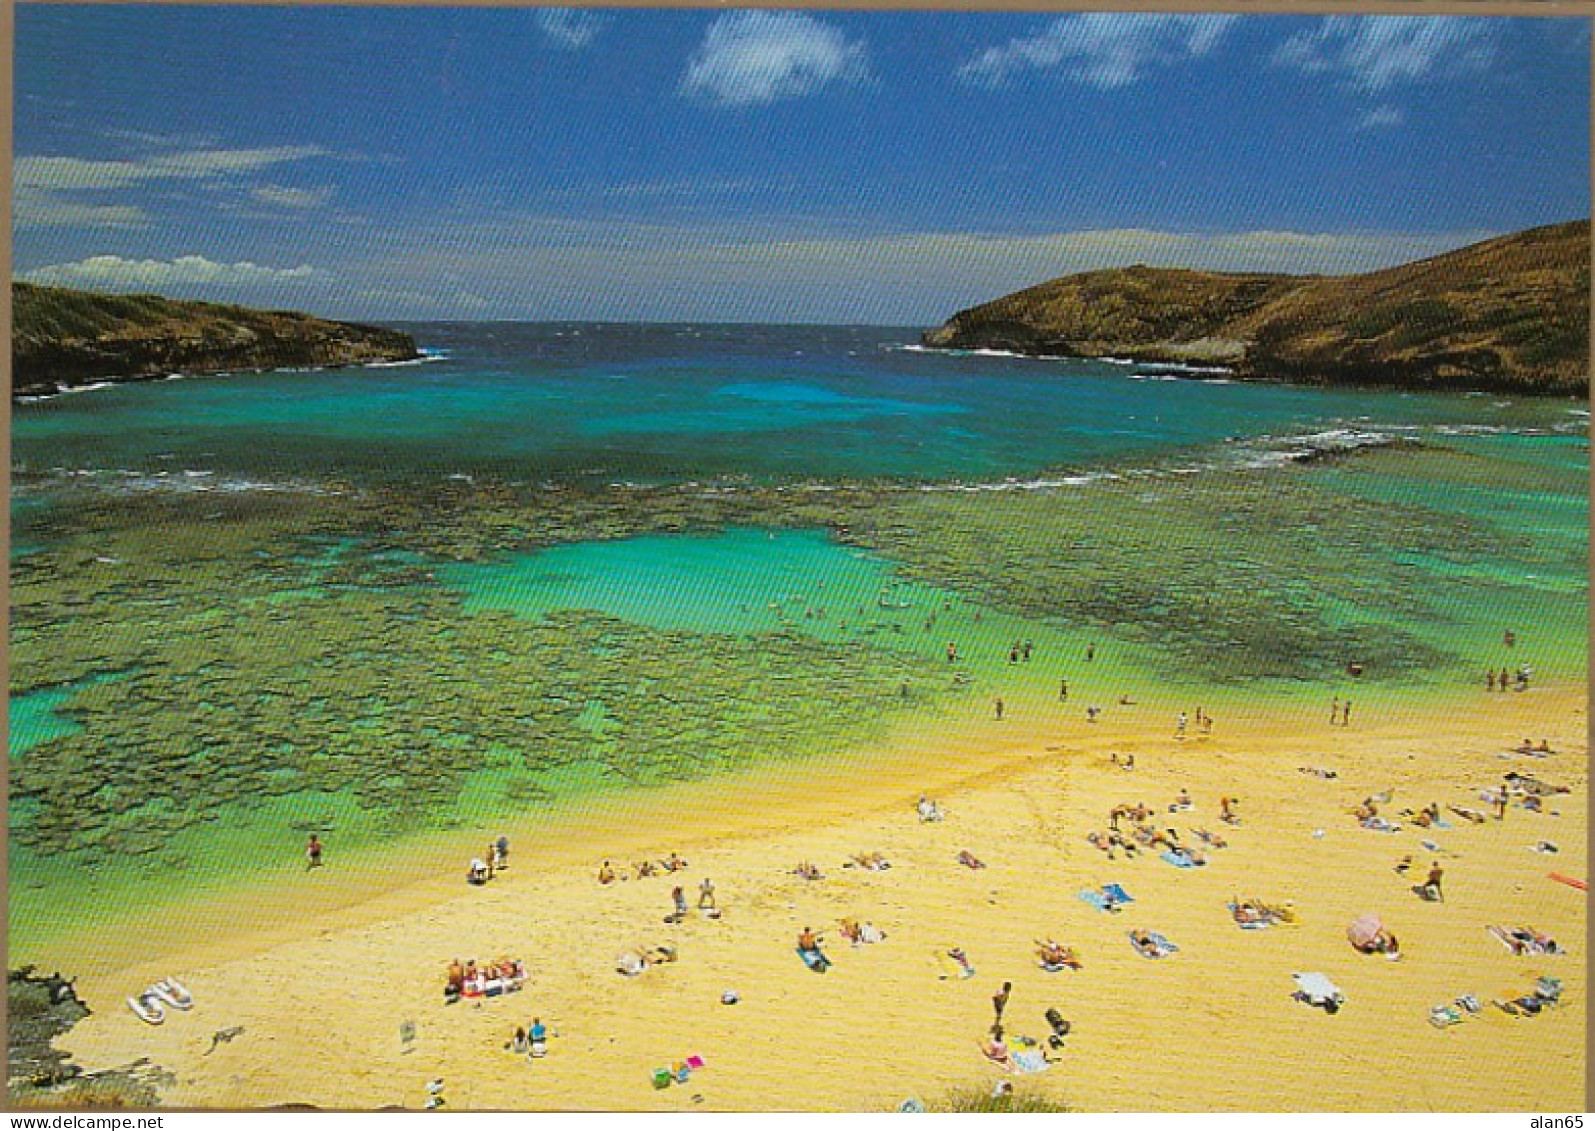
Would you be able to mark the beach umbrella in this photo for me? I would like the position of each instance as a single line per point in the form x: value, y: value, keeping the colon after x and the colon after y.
x: 1364, y: 931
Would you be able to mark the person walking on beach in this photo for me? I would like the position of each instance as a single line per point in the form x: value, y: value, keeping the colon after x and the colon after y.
x: 1063, y: 691
x: 706, y: 894
x: 999, y: 1002
x: 1334, y: 711
x: 1179, y: 726
x: 1489, y: 678
x: 1500, y: 803
x: 1345, y: 714
x: 1028, y: 646
x: 1090, y: 652
x: 952, y: 652
x: 1503, y: 679
x: 679, y: 895
x: 1013, y: 654
x: 313, y: 852
x: 997, y: 706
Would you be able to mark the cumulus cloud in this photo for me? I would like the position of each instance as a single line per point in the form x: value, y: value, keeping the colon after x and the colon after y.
x: 1104, y: 50
x: 750, y: 58
x: 571, y: 28
x: 1375, y: 53
x: 116, y: 273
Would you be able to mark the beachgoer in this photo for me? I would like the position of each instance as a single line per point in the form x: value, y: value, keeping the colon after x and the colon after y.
x: 1489, y: 679
x: 1183, y: 801
x: 999, y: 1002
x: 997, y: 706
x: 1504, y: 678
x: 1091, y: 714
x: 1501, y: 800
x: 1509, y: 639
x: 1063, y: 691
x: 313, y: 852
x: 518, y: 1043
x: 1225, y: 812
x: 706, y: 894
x: 1090, y: 652
x: 1345, y: 714
x: 678, y: 895
x: 808, y: 941
x: 1027, y: 648
x: 1179, y: 726
x: 869, y: 933
x: 1129, y: 760
x: 952, y: 652
x: 1432, y: 884
x: 1334, y: 711
x: 606, y: 874
x: 538, y: 1032
x: 501, y: 852
x: 1013, y: 654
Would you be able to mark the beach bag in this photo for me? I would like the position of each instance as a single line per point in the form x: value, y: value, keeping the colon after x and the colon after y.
x: 661, y: 1078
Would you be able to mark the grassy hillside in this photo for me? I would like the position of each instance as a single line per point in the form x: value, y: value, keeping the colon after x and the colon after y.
x: 1509, y: 313
x: 65, y: 337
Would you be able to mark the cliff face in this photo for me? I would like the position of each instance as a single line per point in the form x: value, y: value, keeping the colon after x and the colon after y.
x: 64, y: 337
x: 1509, y: 314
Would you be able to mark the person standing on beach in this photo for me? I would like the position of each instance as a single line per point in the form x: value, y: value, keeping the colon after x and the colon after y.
x: 1345, y: 714
x: 1509, y: 639
x: 1489, y: 678
x: 1500, y: 803
x: 1090, y: 652
x: 1063, y: 691
x: 706, y: 894
x: 679, y: 895
x: 952, y: 652
x: 997, y: 706
x: 313, y: 852
x: 999, y: 1002
x: 1179, y: 726
x: 1334, y: 711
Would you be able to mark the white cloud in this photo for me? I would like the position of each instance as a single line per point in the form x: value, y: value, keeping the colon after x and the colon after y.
x: 749, y: 58
x: 571, y: 28
x: 1382, y: 118
x: 293, y: 199
x: 45, y: 187
x: 1104, y: 50
x: 112, y: 271
x: 1375, y: 53
x: 75, y: 173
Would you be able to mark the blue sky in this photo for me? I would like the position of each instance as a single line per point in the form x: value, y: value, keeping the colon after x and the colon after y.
x: 764, y: 166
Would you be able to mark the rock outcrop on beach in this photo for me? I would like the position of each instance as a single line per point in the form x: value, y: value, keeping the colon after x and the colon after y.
x: 1508, y: 314
x: 63, y: 338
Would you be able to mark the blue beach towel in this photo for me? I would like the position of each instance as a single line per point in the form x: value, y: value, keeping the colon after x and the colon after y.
x: 1099, y: 898
x: 1179, y: 861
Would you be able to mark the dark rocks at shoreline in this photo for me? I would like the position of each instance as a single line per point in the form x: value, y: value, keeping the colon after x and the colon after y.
x: 64, y: 338
x: 1506, y: 315
x: 41, y: 1009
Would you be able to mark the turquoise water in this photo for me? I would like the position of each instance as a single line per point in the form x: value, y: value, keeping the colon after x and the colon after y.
x: 665, y: 403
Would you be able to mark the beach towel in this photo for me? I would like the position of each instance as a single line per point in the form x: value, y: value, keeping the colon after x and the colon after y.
x: 1317, y: 989
x: 1380, y: 825
x: 814, y: 960
x: 1159, y: 947
x: 1569, y: 881
x: 1117, y: 893
x: 1179, y: 860
x: 952, y: 969
x: 1029, y: 1060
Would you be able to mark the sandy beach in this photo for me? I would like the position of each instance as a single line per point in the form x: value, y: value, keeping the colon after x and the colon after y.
x: 320, y: 985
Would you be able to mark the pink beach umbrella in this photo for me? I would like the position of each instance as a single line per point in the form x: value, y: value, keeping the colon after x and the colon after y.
x: 1364, y: 931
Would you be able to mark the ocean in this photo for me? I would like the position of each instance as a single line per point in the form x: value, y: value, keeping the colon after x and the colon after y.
x: 554, y: 560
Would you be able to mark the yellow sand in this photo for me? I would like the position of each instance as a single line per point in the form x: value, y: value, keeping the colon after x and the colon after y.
x: 320, y: 977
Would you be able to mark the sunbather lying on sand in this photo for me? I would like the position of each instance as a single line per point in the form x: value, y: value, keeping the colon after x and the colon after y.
x: 1212, y: 840
x: 1467, y: 814
x: 1318, y: 772
x: 1055, y: 956
x: 969, y: 860
x: 869, y: 861
x: 1525, y: 940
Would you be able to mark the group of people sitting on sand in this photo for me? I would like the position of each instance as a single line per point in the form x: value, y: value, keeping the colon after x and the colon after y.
x: 808, y: 871
x: 644, y: 869
x: 532, y: 1042
x: 467, y: 979
x: 1526, y: 747
x: 861, y: 934
x: 634, y: 962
